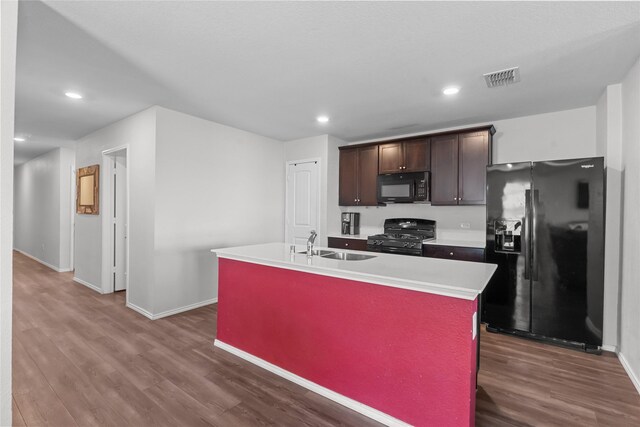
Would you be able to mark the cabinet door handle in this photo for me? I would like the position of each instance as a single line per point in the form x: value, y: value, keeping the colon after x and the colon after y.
x: 451, y: 253
x: 346, y: 244
x: 455, y: 198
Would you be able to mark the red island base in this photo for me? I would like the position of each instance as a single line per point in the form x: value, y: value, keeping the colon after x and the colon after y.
x: 396, y: 355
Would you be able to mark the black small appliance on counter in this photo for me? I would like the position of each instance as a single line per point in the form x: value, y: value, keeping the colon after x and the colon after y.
x: 350, y: 223
x: 403, y: 236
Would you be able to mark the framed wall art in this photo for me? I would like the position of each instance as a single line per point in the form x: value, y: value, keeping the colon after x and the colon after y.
x: 88, y: 190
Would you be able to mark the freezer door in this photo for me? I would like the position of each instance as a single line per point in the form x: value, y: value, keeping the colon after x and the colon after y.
x: 567, y: 265
x: 506, y: 300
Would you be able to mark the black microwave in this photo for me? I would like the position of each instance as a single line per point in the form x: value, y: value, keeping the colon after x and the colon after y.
x: 403, y: 187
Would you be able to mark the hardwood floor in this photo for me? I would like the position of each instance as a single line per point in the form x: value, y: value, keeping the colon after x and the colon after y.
x: 80, y: 358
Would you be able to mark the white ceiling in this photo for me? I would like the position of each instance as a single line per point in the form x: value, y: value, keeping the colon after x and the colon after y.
x: 376, y: 68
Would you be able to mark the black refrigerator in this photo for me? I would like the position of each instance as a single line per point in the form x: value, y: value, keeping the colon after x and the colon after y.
x: 545, y: 231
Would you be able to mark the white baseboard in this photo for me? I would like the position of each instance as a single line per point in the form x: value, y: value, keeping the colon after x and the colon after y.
x: 632, y: 375
x: 46, y: 264
x: 322, y: 391
x: 173, y: 311
x: 611, y: 348
x: 88, y: 285
x: 193, y: 306
x: 140, y: 310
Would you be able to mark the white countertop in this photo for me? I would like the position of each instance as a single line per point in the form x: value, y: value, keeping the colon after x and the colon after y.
x: 458, y: 279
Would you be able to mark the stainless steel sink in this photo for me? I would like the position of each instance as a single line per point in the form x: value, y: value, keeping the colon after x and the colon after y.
x: 319, y: 252
x: 344, y: 256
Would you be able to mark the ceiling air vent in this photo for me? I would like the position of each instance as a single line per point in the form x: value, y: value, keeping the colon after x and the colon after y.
x: 502, y: 77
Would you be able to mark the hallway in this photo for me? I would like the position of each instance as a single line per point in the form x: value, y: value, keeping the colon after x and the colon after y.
x: 80, y: 358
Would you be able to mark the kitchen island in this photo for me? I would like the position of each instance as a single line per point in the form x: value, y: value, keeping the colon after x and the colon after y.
x: 393, y: 337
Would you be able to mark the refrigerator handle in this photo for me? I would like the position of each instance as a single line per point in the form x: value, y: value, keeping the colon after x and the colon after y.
x: 525, y: 232
x: 534, y: 235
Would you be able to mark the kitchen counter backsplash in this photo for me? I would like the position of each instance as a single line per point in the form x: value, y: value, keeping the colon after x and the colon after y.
x: 466, y: 235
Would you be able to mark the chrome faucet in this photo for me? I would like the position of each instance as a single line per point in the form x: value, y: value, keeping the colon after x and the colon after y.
x: 310, y: 242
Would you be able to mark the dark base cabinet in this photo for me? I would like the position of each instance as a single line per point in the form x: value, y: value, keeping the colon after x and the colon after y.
x: 453, y: 252
x: 347, y: 243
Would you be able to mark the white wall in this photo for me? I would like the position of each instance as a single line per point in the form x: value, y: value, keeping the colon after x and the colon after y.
x: 67, y: 205
x: 558, y: 135
x: 216, y: 186
x: 630, y: 288
x: 194, y: 185
x: 138, y: 132
x: 42, y: 206
x: 550, y: 136
x: 609, y: 145
x: 8, y: 36
x: 333, y: 210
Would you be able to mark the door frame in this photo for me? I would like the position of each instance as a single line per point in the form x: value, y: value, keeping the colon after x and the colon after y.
x: 72, y: 242
x: 318, y: 161
x: 107, y: 229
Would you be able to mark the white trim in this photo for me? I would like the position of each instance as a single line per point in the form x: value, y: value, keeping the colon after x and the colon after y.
x: 105, y: 206
x: 171, y: 312
x: 72, y: 242
x: 184, y: 308
x: 361, y: 408
x: 611, y: 348
x: 88, y: 285
x: 632, y: 375
x: 46, y: 264
x: 140, y: 310
x: 318, y: 161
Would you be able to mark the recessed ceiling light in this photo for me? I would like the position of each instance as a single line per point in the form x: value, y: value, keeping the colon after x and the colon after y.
x: 322, y: 119
x: 73, y: 95
x: 18, y: 139
x: 451, y: 90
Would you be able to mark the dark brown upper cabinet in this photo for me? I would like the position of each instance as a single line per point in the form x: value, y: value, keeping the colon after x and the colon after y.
x: 458, y: 167
x: 358, y: 176
x: 444, y: 170
x: 404, y: 156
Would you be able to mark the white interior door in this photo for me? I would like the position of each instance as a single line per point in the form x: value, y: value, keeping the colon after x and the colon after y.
x: 119, y: 222
x: 303, y: 190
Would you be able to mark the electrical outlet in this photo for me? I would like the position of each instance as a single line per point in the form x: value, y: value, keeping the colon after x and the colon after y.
x: 465, y: 225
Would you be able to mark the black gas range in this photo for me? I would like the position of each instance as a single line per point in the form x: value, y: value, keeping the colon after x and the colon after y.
x: 403, y: 236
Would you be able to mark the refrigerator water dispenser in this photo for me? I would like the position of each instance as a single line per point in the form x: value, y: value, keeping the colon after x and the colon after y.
x: 507, y: 235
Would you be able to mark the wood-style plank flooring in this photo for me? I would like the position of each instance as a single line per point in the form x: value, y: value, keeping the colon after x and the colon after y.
x: 83, y: 359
